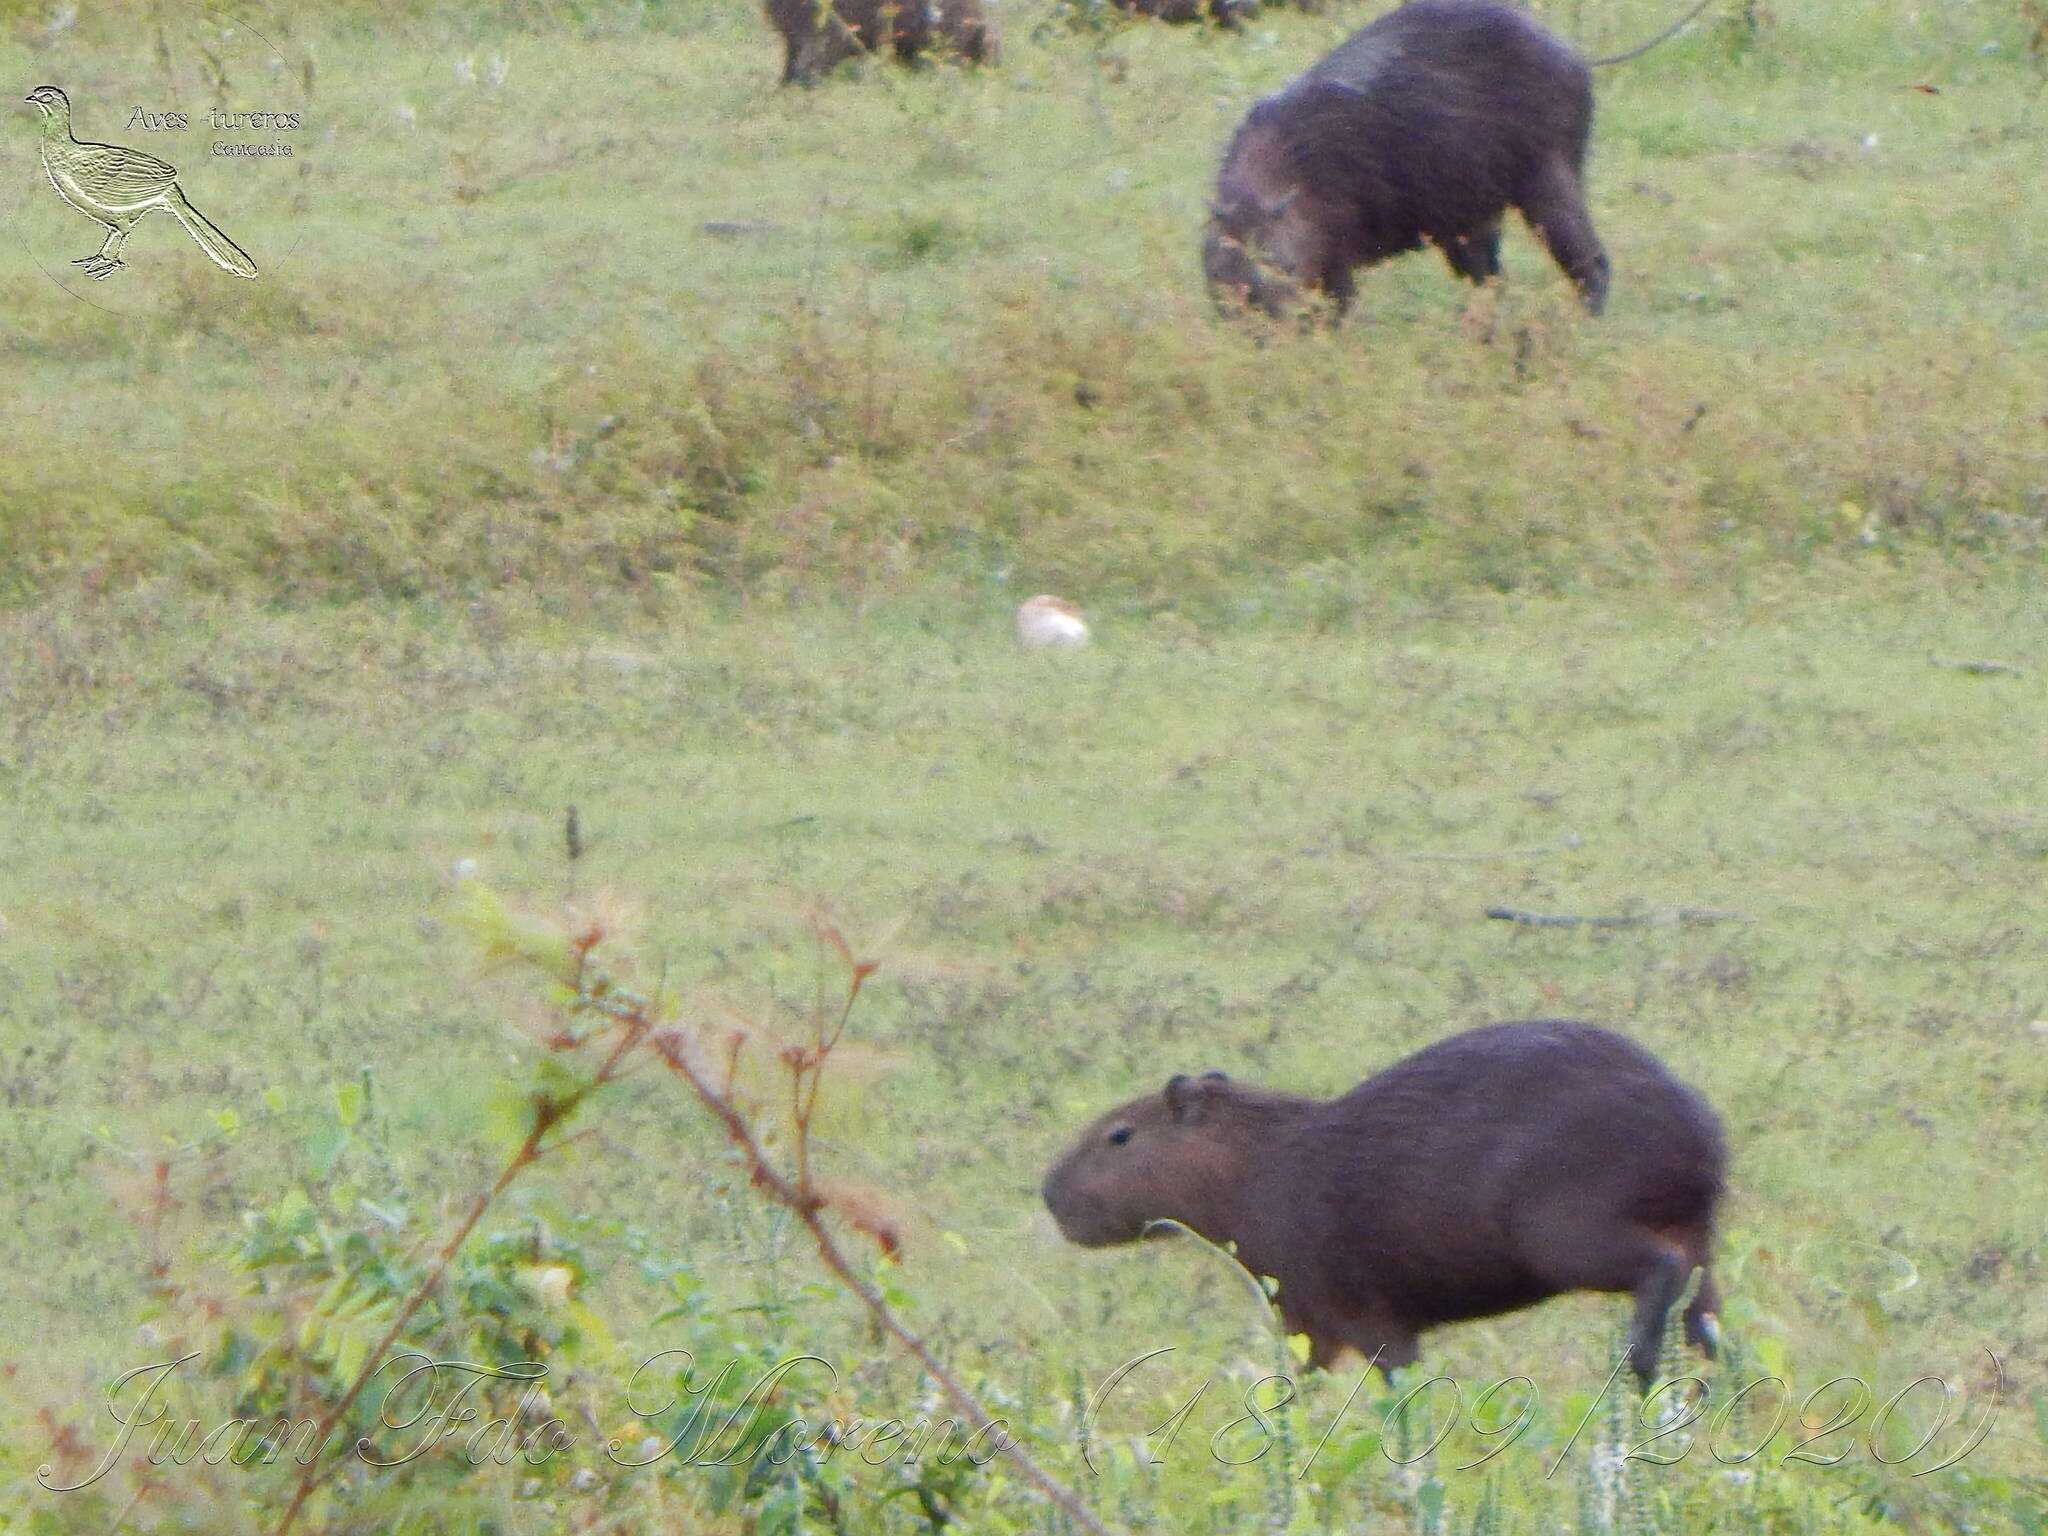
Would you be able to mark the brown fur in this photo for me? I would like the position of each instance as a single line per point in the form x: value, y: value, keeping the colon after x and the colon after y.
x: 1423, y: 128
x: 818, y: 35
x: 1483, y: 1174
x: 1225, y: 13
x: 1232, y: 14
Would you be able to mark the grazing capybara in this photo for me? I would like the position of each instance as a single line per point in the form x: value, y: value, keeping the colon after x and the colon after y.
x: 1225, y: 13
x: 820, y: 34
x: 1480, y: 1175
x: 1424, y: 127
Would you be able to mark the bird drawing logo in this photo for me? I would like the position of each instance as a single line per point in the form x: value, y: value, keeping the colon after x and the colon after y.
x: 117, y: 187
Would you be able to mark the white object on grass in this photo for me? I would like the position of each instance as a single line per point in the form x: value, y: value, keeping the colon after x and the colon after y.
x: 1048, y: 620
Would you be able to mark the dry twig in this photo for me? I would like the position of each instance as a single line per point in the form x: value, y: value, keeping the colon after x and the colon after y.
x: 1621, y: 920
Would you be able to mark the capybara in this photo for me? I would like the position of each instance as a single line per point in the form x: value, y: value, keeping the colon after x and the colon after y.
x: 1480, y: 1175
x: 1232, y: 14
x: 1424, y: 127
x: 1225, y: 13
x: 820, y: 34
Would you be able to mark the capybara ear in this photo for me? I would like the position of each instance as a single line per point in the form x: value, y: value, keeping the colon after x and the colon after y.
x: 1216, y: 1077
x: 1187, y: 1097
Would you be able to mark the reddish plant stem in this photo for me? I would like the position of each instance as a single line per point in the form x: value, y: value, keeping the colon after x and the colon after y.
x: 805, y: 1204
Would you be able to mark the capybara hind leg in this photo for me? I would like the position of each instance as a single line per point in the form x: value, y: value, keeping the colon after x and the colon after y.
x: 1555, y: 206
x: 1702, y: 1318
x: 1475, y: 255
x: 1581, y: 1246
x: 1660, y: 1284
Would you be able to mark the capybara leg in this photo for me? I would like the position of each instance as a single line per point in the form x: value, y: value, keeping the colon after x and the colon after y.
x: 910, y: 31
x: 1342, y: 288
x: 808, y: 59
x: 1581, y: 1245
x: 1661, y: 1283
x: 1555, y: 206
x: 1475, y: 255
x: 822, y: 49
x: 1702, y: 1318
x: 1391, y: 1352
x: 1323, y: 1350
x: 1384, y: 1344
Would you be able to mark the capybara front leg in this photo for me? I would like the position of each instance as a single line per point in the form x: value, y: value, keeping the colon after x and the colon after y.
x: 1555, y: 206
x: 1386, y: 1345
x: 817, y: 54
x: 1341, y: 286
x: 1475, y: 255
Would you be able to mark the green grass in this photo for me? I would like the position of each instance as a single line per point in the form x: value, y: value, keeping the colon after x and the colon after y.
x: 1826, y: 294
x: 232, y: 835
x: 636, y: 435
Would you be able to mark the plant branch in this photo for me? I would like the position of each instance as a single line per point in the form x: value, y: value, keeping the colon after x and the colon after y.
x: 1620, y: 920
x: 547, y: 1114
x: 673, y: 1049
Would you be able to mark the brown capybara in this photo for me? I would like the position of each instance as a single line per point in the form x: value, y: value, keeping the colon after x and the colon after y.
x: 1480, y: 1175
x: 818, y: 35
x: 1424, y: 127
x: 1231, y: 14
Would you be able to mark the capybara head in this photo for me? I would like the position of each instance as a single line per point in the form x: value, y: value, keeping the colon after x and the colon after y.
x: 1252, y: 252
x: 1160, y: 1158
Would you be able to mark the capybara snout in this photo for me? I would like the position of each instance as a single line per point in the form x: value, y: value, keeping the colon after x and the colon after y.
x: 1142, y: 1163
x: 1246, y: 260
x: 1483, y: 1174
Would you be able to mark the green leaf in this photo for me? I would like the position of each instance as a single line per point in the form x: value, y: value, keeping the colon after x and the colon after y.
x: 324, y: 1146
x: 506, y: 936
x: 1429, y: 1500
x: 353, y: 1350
x: 1357, y: 1451
x: 294, y: 1213
x: 508, y: 1113
x: 1771, y: 1354
x: 348, y: 1102
x: 391, y: 1216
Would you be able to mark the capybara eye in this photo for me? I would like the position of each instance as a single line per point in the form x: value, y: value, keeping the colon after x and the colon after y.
x: 1120, y: 1135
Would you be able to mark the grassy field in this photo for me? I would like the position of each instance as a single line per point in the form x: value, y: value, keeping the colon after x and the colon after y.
x: 936, y: 329
x: 233, y: 836
x: 611, y: 429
